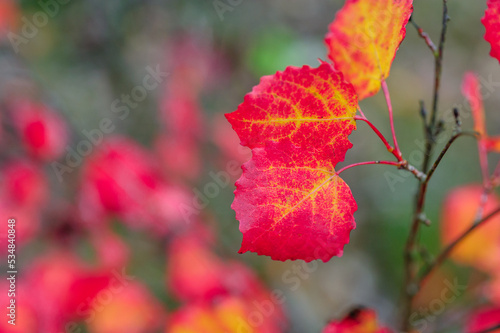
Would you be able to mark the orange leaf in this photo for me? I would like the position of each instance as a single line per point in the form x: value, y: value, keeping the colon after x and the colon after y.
x: 363, y: 39
x: 491, y: 22
x: 481, y: 248
x: 229, y: 314
x: 312, y: 107
x: 492, y: 143
x: 292, y: 205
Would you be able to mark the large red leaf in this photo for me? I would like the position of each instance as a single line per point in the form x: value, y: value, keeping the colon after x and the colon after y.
x: 491, y: 21
x: 363, y: 39
x: 292, y: 205
x: 311, y: 107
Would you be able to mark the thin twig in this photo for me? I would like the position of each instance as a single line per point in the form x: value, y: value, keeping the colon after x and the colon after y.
x: 438, y: 66
x: 410, y: 264
x: 425, y: 36
x: 445, y: 149
x: 366, y: 163
x: 439, y: 62
x: 361, y: 112
x: 391, y: 116
x: 382, y: 138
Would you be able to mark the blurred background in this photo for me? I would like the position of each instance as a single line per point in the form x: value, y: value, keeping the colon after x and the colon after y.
x: 119, y: 167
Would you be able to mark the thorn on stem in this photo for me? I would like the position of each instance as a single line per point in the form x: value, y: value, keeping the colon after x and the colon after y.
x: 412, y: 289
x: 426, y: 255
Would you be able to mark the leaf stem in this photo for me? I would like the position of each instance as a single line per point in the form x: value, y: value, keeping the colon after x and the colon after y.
x: 390, y: 148
x: 391, y: 117
x: 398, y: 164
x: 361, y: 112
x: 445, y: 150
x: 483, y: 162
x: 425, y: 36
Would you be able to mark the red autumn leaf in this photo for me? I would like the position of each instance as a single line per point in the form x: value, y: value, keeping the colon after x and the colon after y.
x: 363, y: 39
x: 121, y: 178
x: 111, y: 250
x: 194, y: 273
x: 292, y: 205
x: 483, y: 319
x: 179, y: 155
x: 491, y: 22
x: 357, y: 321
x: 24, y: 190
x: 481, y: 249
x: 492, y: 143
x: 9, y: 17
x: 42, y: 131
x: 471, y: 91
x: 311, y: 107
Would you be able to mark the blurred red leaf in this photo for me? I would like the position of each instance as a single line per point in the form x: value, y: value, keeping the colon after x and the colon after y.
x: 23, y: 304
x: 471, y: 90
x: 43, y: 132
x: 23, y: 192
x: 9, y: 17
x: 194, y: 273
x: 120, y: 178
x: 179, y: 155
x: 363, y: 39
x: 483, y: 319
x: 228, y: 314
x: 492, y: 143
x: 23, y: 184
x: 491, y: 22
x: 111, y: 250
x: 357, y: 321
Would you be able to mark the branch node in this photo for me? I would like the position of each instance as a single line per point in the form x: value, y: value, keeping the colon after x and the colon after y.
x: 458, y: 121
x: 412, y: 289
x: 439, y: 128
x: 423, y: 219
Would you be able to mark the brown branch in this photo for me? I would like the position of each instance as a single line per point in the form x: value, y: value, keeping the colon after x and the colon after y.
x: 425, y: 36
x: 410, y: 264
x: 445, y: 150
